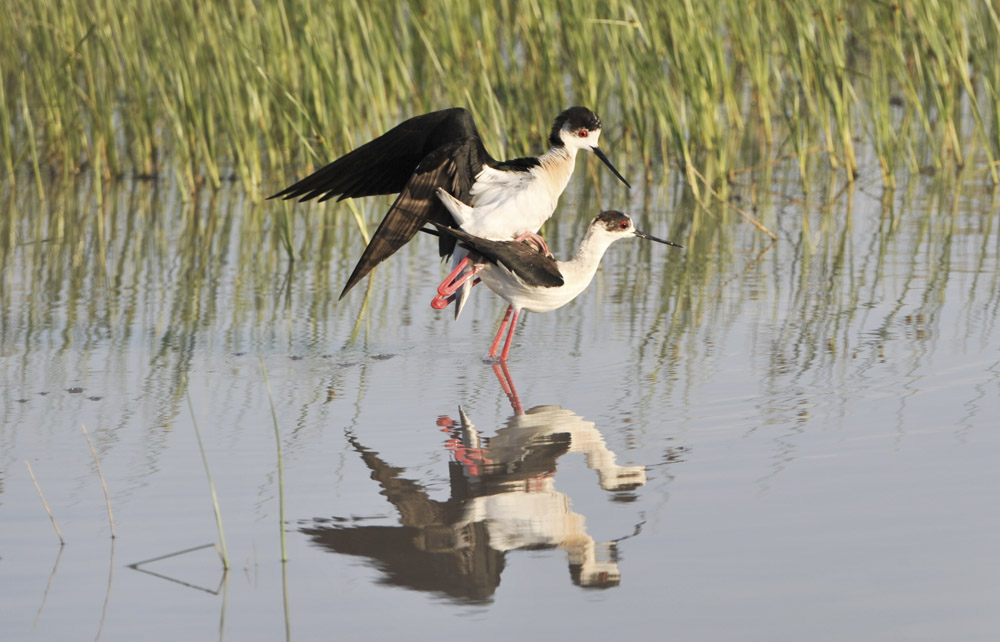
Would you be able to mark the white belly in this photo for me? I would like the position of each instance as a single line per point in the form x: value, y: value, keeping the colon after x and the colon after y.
x: 533, y: 299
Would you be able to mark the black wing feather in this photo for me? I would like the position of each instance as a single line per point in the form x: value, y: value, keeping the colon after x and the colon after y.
x: 453, y: 167
x: 385, y: 164
x: 524, y: 260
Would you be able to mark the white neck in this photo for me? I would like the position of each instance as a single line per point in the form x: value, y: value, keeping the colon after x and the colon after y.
x: 579, y: 271
x: 591, y: 251
x: 557, y: 168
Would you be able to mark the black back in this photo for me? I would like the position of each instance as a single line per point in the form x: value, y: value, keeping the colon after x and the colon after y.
x: 524, y: 260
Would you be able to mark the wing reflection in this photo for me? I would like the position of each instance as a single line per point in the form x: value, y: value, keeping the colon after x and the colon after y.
x: 503, y: 498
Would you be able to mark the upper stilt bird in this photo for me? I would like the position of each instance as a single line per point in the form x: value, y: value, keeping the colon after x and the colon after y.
x: 527, y: 277
x: 443, y: 149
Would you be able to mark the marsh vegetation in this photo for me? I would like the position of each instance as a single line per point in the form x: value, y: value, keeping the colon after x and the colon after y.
x: 813, y: 416
x: 212, y: 91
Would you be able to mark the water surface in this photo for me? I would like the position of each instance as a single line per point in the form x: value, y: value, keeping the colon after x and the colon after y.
x: 739, y: 440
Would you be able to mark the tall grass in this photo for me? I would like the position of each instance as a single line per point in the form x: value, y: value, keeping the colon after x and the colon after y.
x: 261, y: 92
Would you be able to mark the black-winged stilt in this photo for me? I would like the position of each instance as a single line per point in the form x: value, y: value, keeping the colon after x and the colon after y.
x: 528, y: 278
x: 443, y: 149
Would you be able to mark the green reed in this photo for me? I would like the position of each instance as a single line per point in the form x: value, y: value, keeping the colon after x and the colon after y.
x: 263, y: 92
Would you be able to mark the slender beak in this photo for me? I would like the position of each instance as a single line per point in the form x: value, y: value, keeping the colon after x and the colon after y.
x: 597, y: 152
x: 643, y: 235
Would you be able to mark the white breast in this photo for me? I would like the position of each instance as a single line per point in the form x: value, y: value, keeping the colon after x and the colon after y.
x: 507, y: 204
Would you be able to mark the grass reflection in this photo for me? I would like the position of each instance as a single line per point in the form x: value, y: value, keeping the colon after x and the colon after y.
x: 142, y: 285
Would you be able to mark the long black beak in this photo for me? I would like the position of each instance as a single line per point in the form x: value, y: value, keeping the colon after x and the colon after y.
x: 643, y: 235
x: 597, y: 152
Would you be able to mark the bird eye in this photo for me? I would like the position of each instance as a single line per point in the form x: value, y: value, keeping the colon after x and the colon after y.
x: 582, y: 133
x: 624, y: 225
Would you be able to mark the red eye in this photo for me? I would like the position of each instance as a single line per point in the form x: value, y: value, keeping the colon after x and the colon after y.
x: 582, y: 133
x: 624, y: 225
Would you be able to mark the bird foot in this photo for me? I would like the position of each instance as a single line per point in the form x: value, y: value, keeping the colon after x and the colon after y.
x: 441, y: 302
x: 536, y: 241
x: 455, y: 279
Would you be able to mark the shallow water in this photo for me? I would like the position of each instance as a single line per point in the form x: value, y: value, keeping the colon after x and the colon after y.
x: 733, y: 441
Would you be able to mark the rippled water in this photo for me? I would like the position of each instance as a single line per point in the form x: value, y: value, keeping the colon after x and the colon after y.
x: 734, y: 441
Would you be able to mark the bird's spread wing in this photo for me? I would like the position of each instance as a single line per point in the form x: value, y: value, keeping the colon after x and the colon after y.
x: 524, y: 260
x: 385, y: 165
x: 452, y: 166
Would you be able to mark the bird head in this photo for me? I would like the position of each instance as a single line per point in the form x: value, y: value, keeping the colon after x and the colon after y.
x: 579, y: 128
x: 615, y: 225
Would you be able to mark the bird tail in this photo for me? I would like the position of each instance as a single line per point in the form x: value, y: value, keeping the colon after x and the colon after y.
x: 461, y: 296
x: 464, y: 290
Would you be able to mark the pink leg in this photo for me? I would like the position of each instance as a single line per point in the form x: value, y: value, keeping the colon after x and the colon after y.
x: 502, y: 379
x: 451, y: 283
x: 441, y: 302
x: 534, y: 239
x: 503, y: 376
x: 446, y: 286
x: 503, y: 326
x: 510, y: 335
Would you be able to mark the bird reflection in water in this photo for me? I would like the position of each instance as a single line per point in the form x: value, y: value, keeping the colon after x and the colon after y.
x: 503, y: 498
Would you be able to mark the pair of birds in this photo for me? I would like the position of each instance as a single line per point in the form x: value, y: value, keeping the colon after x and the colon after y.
x: 450, y: 186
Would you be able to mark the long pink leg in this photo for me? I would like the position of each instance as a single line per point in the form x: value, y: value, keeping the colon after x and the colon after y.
x: 503, y: 326
x: 451, y: 283
x: 510, y: 335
